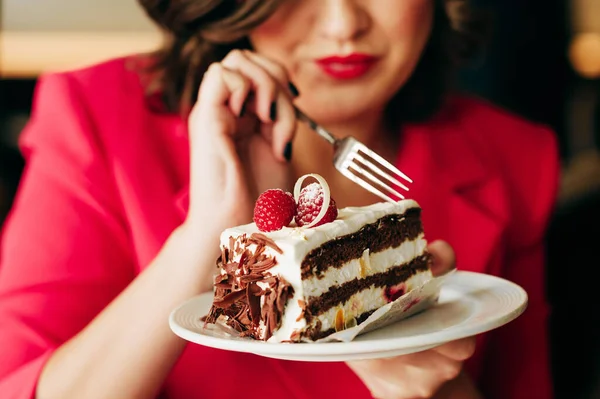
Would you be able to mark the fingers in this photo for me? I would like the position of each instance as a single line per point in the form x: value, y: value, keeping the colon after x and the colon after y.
x: 221, y: 96
x: 285, y: 126
x: 276, y: 71
x: 459, y: 350
x: 273, y: 103
x: 221, y: 86
x: 444, y: 258
x: 264, y: 86
x: 415, y: 375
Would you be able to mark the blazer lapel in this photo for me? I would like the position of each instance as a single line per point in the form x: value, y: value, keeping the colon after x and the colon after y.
x: 463, y: 201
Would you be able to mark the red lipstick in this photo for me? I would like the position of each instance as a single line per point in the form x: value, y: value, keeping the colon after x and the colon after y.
x: 347, y: 67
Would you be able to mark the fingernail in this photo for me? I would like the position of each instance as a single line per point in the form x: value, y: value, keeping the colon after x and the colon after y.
x: 287, y: 151
x: 293, y: 89
x: 273, y: 111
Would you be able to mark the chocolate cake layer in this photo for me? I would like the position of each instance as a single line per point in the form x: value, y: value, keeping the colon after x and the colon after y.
x: 342, y: 293
x: 315, y: 333
x: 388, y: 232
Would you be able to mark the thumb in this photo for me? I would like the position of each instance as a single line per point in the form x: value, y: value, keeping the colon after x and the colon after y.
x: 444, y: 258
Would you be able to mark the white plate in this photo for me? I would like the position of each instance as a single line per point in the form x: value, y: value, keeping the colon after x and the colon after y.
x: 469, y: 304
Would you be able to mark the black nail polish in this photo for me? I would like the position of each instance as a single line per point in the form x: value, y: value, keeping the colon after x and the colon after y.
x: 293, y: 89
x: 243, y: 109
x: 273, y: 111
x: 287, y: 151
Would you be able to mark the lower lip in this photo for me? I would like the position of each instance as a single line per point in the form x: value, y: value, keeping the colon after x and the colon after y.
x: 346, y: 70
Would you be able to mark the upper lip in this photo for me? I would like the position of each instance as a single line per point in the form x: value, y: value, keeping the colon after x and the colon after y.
x: 347, y: 59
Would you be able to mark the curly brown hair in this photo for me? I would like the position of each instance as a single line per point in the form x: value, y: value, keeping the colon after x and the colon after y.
x: 199, y: 33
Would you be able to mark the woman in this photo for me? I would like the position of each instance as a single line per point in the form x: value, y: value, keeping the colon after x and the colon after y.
x: 123, y: 199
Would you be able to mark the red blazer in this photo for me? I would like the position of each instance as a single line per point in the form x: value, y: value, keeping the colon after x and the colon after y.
x: 106, y: 183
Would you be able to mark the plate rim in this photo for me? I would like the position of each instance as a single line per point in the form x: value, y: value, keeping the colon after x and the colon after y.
x: 325, y: 349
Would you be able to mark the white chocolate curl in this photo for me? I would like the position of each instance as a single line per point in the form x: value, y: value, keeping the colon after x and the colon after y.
x: 326, y: 195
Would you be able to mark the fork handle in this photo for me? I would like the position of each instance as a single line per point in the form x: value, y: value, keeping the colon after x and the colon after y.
x: 316, y: 127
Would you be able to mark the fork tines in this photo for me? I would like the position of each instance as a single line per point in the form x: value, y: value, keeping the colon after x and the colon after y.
x: 362, y: 165
x: 374, y: 173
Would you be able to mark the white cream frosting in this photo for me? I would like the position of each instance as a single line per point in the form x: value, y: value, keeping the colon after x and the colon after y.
x: 296, y: 243
x: 372, y: 263
x: 371, y: 298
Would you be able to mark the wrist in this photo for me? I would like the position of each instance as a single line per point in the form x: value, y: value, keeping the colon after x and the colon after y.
x: 202, y: 224
x: 194, y: 242
x: 190, y: 255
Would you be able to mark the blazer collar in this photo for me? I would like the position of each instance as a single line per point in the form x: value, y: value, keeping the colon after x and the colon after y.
x: 462, y: 197
x: 441, y: 146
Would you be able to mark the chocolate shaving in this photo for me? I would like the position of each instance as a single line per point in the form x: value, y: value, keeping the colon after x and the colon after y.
x: 275, y: 302
x: 236, y: 325
x: 258, y: 255
x: 223, y: 255
x: 263, y: 239
x: 243, y: 258
x: 228, y: 299
x: 231, y: 267
x: 263, y: 265
x: 222, y: 281
x: 253, y: 298
x: 221, y: 292
x: 237, y: 292
x: 251, y: 278
x: 271, y: 280
x: 224, y: 285
x: 302, y: 305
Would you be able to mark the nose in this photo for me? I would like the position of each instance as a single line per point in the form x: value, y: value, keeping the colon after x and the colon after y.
x: 342, y: 20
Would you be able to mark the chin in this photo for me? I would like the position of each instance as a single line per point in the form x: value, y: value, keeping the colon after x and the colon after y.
x: 327, y: 109
x: 334, y: 114
x: 345, y: 115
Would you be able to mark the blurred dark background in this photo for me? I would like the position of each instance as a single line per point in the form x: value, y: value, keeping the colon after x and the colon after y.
x: 543, y: 62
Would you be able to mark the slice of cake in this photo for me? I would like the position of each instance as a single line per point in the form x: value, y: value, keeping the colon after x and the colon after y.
x: 280, y: 281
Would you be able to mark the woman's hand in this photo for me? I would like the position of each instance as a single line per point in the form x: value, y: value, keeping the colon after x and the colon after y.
x: 420, y: 375
x: 240, y: 128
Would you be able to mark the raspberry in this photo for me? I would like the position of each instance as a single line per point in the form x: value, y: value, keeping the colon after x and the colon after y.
x: 309, y: 206
x: 393, y: 293
x: 274, y: 209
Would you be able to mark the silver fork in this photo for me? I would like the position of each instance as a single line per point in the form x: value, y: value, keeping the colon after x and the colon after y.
x: 362, y: 165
